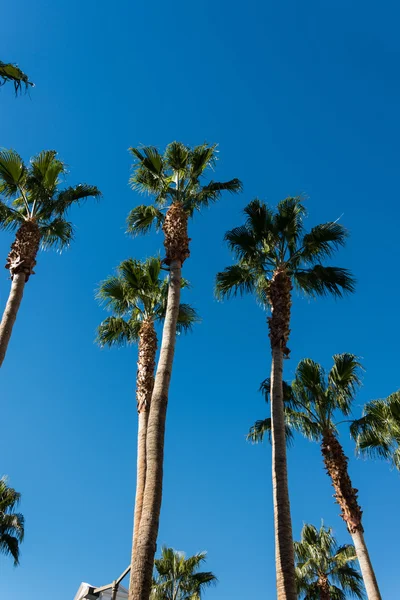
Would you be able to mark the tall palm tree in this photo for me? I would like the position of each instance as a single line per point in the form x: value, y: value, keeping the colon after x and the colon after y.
x: 377, y: 433
x: 325, y: 570
x: 273, y: 252
x: 34, y: 205
x: 179, y: 578
x: 137, y: 296
x: 11, y: 522
x: 10, y: 72
x: 318, y: 400
x: 174, y: 180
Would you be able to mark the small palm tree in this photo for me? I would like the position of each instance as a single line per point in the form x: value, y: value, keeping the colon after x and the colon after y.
x: 34, y: 205
x: 318, y: 400
x: 11, y: 523
x: 273, y: 253
x: 377, y: 433
x: 10, y: 72
x: 174, y: 180
x: 179, y: 578
x: 137, y: 296
x: 325, y: 570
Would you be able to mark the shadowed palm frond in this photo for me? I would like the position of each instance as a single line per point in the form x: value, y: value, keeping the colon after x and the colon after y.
x: 12, y: 73
x: 322, y: 281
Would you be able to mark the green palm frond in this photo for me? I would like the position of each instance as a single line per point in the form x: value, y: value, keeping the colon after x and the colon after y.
x: 237, y: 279
x: 13, y: 173
x: 187, y: 318
x: 12, y: 524
x: 272, y: 241
x: 142, y: 218
x: 172, y: 177
x: 10, y: 219
x: 322, y: 241
x: 56, y: 234
x: 344, y: 380
x: 116, y: 331
x: 72, y: 195
x: 178, y: 578
x: 322, y: 281
x: 12, y: 73
x: 377, y: 433
x: 318, y: 554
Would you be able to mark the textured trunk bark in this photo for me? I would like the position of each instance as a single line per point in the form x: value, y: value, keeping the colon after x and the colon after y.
x: 280, y: 300
x: 367, y: 571
x: 323, y: 587
x: 144, y: 389
x: 143, y: 560
x: 346, y: 496
x: 140, y: 475
x: 20, y: 261
x: 284, y: 554
x: 10, y: 312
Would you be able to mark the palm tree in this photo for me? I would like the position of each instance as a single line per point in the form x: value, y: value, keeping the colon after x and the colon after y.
x: 179, y: 578
x: 137, y: 296
x: 34, y: 205
x: 325, y: 570
x: 10, y: 72
x: 377, y: 433
x: 174, y: 180
x: 273, y: 252
x: 317, y: 399
x: 11, y: 523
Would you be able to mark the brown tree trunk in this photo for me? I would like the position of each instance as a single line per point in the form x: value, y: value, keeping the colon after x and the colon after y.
x: 323, y: 587
x: 346, y: 496
x: 143, y: 559
x: 280, y: 300
x: 10, y: 312
x: 20, y: 261
x: 144, y: 389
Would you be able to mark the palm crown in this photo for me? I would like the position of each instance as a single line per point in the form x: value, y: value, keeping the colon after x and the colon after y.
x: 11, y: 523
x: 321, y: 562
x: 377, y: 433
x: 314, y: 398
x: 10, y: 72
x: 174, y: 177
x: 135, y: 293
x: 272, y: 241
x: 32, y: 193
x: 179, y: 578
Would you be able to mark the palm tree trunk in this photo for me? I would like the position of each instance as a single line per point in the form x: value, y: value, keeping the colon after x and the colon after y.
x: 143, y: 559
x: 20, y: 261
x: 367, y: 571
x: 10, y: 313
x: 336, y: 463
x: 280, y: 300
x: 144, y: 389
x: 323, y: 587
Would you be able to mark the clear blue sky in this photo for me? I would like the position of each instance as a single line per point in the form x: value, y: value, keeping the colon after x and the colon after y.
x: 303, y: 97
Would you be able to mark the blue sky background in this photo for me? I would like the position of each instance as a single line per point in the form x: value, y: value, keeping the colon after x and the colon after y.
x: 302, y: 97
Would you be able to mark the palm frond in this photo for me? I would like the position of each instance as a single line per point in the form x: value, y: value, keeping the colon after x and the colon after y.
x: 322, y: 241
x: 236, y: 279
x: 344, y: 380
x: 12, y: 73
x: 72, y: 195
x: 12, y: 172
x: 187, y: 318
x: 116, y: 331
x: 142, y: 218
x: 322, y: 281
x: 56, y: 234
